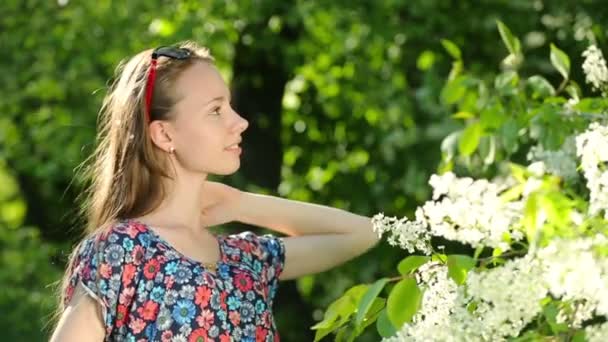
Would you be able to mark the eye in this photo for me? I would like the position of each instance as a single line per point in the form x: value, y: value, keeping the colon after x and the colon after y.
x: 216, y: 111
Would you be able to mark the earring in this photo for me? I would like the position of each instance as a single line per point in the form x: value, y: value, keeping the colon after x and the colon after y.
x: 171, y: 149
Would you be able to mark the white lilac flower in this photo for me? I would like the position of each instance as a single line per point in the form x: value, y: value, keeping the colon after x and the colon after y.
x: 431, y: 322
x: 507, y: 297
x: 408, y: 235
x: 462, y: 209
x: 574, y: 272
x: 597, y: 333
x: 594, y: 67
x: 561, y: 163
x: 592, y: 148
x: 470, y: 211
x: 496, y: 304
x: 569, y: 105
x: 579, y: 311
x: 538, y: 168
x: 492, y: 306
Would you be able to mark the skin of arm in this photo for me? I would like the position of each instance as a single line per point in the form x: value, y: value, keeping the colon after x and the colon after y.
x: 81, y: 320
x: 319, y: 237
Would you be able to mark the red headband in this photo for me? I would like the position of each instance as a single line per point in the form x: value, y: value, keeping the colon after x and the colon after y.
x: 150, y: 88
x: 167, y: 51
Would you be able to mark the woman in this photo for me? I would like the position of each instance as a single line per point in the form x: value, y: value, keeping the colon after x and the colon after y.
x: 148, y: 268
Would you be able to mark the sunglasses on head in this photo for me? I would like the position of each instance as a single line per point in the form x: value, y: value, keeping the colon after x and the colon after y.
x: 163, y: 51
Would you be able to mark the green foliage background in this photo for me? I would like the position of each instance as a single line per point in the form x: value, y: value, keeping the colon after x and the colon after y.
x: 344, y: 100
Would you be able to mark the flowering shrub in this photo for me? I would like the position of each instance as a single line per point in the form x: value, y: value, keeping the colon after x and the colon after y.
x: 523, y: 186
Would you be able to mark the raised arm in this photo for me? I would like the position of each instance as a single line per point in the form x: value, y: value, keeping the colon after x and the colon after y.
x: 320, y: 237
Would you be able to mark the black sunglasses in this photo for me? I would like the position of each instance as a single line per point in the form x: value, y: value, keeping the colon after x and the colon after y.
x: 163, y: 51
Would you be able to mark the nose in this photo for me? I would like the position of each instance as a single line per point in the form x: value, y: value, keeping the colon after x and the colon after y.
x: 240, y: 123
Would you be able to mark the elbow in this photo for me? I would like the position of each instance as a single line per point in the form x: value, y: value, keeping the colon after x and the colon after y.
x: 367, y: 238
x: 372, y: 239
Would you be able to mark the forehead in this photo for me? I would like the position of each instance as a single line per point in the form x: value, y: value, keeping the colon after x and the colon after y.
x: 200, y: 83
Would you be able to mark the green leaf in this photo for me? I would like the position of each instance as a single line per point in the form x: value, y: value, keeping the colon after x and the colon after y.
x: 411, y: 263
x: 590, y: 105
x: 579, y: 336
x: 511, y: 42
x: 378, y: 305
x: 454, y: 90
x: 492, y: 117
x: 470, y: 139
x: 425, y: 60
x: 530, y: 219
x: 449, y: 145
x: 451, y: 48
x: 487, y: 149
x: 513, y: 193
x: 574, y: 90
x: 560, y: 61
x: 478, y: 251
x: 343, y: 335
x: 509, y: 133
x: 368, y: 299
x: 339, y: 312
x: 342, y: 307
x: 507, y: 81
x: 163, y: 27
x: 403, y: 302
x: 459, y: 266
x: 518, y: 172
x: 550, y: 311
x: 331, y: 315
x: 438, y: 257
x: 322, y: 333
x: 371, y: 317
x: 305, y: 285
x: 529, y: 336
x: 463, y: 115
x: 541, y: 88
x: 384, y: 326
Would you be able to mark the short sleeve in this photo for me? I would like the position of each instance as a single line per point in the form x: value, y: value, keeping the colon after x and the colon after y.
x: 108, y: 265
x: 269, y: 251
x: 273, y: 257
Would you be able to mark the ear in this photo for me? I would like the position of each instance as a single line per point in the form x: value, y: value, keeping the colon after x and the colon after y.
x: 161, y: 133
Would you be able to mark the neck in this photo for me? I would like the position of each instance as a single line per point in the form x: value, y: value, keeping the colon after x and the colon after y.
x: 181, y: 205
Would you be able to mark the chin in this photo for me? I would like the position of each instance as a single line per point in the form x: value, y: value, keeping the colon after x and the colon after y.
x: 227, y: 171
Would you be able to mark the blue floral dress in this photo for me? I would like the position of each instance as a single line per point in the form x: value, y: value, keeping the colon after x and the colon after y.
x: 151, y: 292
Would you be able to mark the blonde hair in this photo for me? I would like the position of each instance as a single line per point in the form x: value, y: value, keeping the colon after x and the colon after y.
x: 125, y: 171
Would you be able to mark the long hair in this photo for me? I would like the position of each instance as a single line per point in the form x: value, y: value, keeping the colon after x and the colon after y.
x: 124, y: 173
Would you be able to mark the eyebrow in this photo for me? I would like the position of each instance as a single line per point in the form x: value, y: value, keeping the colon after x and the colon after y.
x: 218, y: 98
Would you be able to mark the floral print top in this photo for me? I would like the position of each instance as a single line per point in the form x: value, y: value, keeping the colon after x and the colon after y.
x: 149, y: 291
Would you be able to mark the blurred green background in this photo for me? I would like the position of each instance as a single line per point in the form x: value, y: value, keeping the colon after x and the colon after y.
x: 343, y: 100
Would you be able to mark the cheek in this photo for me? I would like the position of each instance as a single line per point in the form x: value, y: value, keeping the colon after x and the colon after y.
x: 203, y: 138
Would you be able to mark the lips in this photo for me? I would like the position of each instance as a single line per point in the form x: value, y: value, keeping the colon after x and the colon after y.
x: 234, y: 146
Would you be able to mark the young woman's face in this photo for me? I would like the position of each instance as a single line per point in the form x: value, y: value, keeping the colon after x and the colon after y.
x: 206, y: 130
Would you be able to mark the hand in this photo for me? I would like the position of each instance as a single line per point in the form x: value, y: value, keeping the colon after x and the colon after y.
x: 219, y: 203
